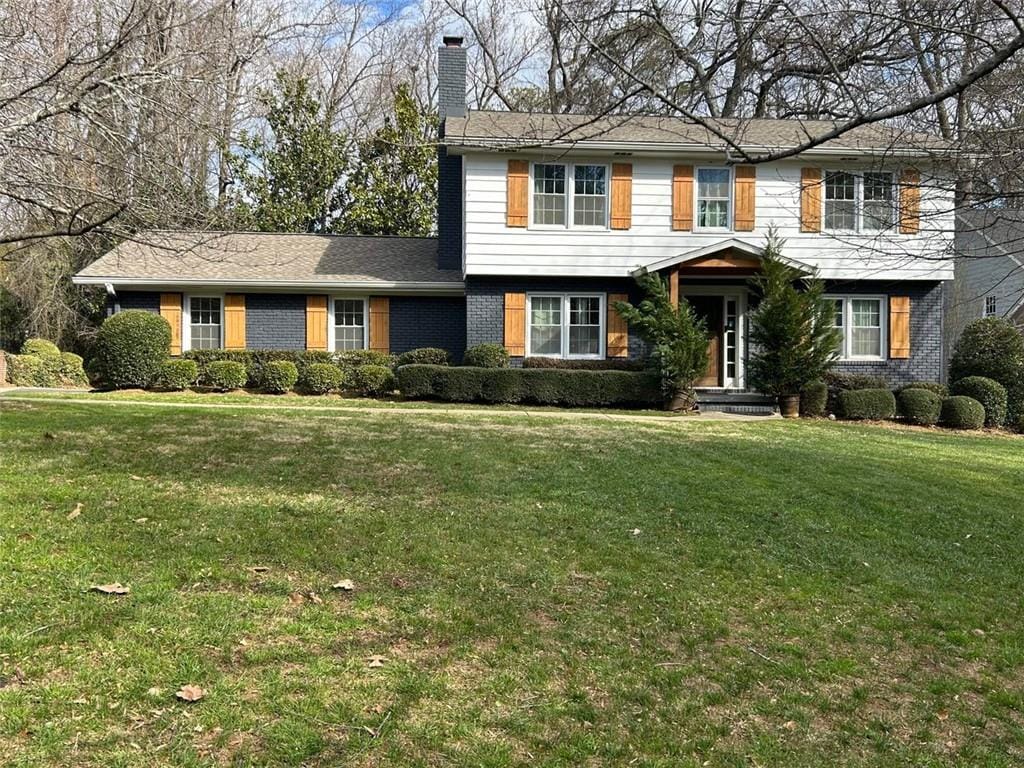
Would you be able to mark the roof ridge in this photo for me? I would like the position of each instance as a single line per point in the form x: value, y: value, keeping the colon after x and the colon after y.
x: 163, y: 230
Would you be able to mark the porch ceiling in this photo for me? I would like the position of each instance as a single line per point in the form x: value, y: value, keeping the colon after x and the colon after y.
x: 728, y: 257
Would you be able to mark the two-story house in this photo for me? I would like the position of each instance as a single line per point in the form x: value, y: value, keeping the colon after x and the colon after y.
x: 543, y: 221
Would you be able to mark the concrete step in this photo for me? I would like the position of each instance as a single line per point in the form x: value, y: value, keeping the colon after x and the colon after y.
x: 733, y: 401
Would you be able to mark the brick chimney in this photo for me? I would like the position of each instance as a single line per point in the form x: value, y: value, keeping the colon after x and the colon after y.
x: 451, y: 102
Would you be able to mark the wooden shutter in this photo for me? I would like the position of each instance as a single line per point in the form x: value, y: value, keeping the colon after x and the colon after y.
x: 618, y: 331
x: 745, y: 193
x: 682, y: 197
x: 515, y: 324
x: 518, y: 187
x: 899, y: 327
x: 622, y: 195
x: 316, y: 322
x: 234, y: 321
x: 910, y: 201
x: 380, y: 324
x: 170, y: 310
x: 810, y: 199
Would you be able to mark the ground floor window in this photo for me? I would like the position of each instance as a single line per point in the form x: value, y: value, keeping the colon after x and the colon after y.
x: 204, y: 322
x: 859, y: 319
x: 565, y: 325
x: 349, y: 324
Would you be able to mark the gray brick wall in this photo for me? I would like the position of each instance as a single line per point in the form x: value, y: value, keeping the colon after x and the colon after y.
x: 926, y: 355
x: 485, y: 304
x: 275, y: 321
x: 428, y: 321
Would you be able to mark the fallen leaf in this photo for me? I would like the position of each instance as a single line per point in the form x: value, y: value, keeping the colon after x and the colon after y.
x: 260, y: 568
x: 942, y: 714
x: 190, y: 693
x: 154, y: 691
x: 141, y: 520
x: 636, y: 531
x: 789, y: 725
x: 376, y: 661
x: 75, y: 512
x: 315, y: 598
x: 344, y: 584
x: 134, y: 477
x: 296, y: 598
x: 110, y: 589
x: 977, y: 632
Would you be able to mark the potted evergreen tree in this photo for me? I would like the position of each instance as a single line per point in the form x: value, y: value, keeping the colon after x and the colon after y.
x: 793, y: 341
x: 677, y: 336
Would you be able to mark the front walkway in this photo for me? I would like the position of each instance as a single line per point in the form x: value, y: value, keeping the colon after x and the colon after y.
x: 80, y: 397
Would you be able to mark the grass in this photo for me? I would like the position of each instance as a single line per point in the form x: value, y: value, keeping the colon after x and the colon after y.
x: 544, y: 592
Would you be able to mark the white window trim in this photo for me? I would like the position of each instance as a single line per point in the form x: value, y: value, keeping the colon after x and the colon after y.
x: 730, y: 219
x: 858, y: 203
x: 570, y: 191
x: 331, y: 330
x: 602, y: 325
x: 186, y: 317
x: 883, y: 322
x: 984, y: 306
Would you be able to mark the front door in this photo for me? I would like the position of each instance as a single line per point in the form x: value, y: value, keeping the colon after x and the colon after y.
x: 710, y: 308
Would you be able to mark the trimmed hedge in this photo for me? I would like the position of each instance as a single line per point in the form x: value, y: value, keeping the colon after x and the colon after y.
x: 932, y: 386
x: 349, y: 361
x: 255, y: 360
x: 375, y: 380
x: 994, y: 348
x: 279, y: 376
x: 919, y: 406
x: 962, y: 412
x: 40, y: 348
x: 322, y: 378
x: 72, y: 370
x: 841, y: 382
x: 424, y: 356
x: 177, y: 374
x: 990, y: 393
x: 28, y: 371
x: 814, y: 399
x: 473, y: 384
x: 486, y: 356
x: 869, y: 404
x: 131, y: 348
x: 613, y: 364
x: 223, y: 375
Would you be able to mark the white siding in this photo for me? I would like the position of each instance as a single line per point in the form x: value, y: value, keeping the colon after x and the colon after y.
x: 491, y: 248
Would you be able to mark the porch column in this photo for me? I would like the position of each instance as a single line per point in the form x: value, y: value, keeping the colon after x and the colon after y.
x: 673, y: 286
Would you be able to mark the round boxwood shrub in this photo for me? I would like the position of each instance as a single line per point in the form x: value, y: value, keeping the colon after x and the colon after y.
x: 223, y: 375
x: 72, y: 370
x: 321, y: 378
x: 486, y: 356
x: 919, y: 406
x: 994, y: 348
x: 990, y: 393
x: 814, y: 399
x: 425, y: 356
x: 177, y: 374
x: 279, y: 376
x: 40, y: 348
x: 374, y: 380
x: 932, y: 386
x: 870, y: 404
x: 962, y: 412
x: 131, y: 347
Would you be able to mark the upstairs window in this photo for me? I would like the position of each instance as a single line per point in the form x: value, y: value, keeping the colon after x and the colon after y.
x: 713, y: 198
x: 860, y: 202
x: 567, y: 195
x: 204, y: 322
x: 990, y: 306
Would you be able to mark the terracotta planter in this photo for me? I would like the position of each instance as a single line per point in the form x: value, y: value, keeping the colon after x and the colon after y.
x: 789, y: 405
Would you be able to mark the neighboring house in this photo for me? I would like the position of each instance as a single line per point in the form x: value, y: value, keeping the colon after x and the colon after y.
x: 989, y: 270
x: 543, y: 220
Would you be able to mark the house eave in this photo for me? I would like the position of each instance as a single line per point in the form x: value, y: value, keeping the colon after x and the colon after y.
x: 291, y: 286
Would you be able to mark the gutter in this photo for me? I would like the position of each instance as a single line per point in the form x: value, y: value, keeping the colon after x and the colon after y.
x: 448, y: 288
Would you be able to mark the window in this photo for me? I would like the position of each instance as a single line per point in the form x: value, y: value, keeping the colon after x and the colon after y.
x: 349, y: 324
x: 566, y: 325
x: 859, y: 318
x: 860, y: 202
x: 990, y: 306
x: 713, y: 198
x: 586, y: 196
x: 590, y: 196
x: 204, y: 322
x: 549, y: 194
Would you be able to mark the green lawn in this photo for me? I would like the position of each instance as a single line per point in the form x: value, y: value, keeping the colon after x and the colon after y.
x: 544, y: 592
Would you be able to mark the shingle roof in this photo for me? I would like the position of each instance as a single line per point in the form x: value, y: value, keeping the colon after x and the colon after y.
x: 487, y: 128
x: 274, y: 259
